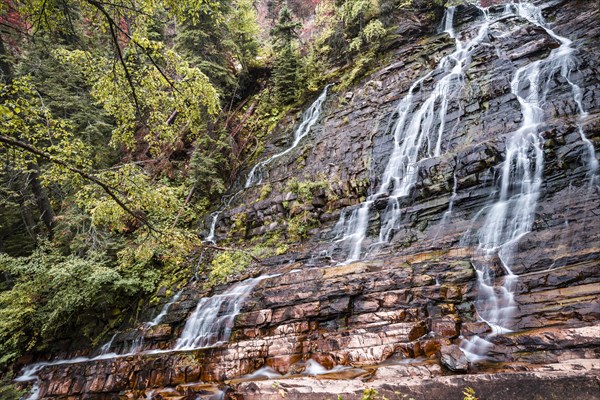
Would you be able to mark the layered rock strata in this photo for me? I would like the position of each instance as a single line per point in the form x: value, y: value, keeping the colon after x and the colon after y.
x: 399, y: 316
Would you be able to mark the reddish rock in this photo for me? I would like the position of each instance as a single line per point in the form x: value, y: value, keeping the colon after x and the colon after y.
x: 453, y: 358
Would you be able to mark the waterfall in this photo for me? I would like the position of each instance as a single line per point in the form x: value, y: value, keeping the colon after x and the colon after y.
x: 418, y: 132
x: 564, y: 61
x: 209, y: 324
x: 309, y: 118
x: 512, y: 213
x: 165, y: 309
x: 210, y: 238
x: 105, y: 348
x: 212, y: 320
x: 138, y: 343
x: 30, y: 373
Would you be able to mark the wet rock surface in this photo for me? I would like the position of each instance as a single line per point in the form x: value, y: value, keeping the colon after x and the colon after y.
x: 401, y: 314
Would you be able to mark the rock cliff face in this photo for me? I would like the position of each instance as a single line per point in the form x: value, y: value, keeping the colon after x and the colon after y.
x: 406, y: 319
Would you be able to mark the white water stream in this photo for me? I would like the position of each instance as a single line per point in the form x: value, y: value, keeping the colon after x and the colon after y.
x: 418, y: 132
x: 309, y: 118
x: 210, y: 238
x: 211, y: 322
x: 512, y: 214
x: 209, y: 325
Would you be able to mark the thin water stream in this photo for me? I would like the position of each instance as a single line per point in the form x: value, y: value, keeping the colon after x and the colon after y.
x: 255, y: 176
x: 512, y: 214
x: 309, y: 118
x: 418, y: 134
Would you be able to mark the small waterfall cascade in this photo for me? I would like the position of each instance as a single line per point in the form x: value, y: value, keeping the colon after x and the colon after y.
x: 30, y: 373
x: 512, y: 213
x: 212, y: 320
x: 309, y: 118
x: 138, y: 343
x: 208, y: 325
x: 564, y: 62
x: 210, y: 238
x: 418, y: 132
x: 165, y: 309
x: 105, y: 348
x: 255, y: 176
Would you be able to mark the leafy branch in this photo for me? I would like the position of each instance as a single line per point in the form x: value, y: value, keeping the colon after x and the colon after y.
x: 53, y: 159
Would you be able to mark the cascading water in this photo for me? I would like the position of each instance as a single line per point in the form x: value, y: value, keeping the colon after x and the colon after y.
x: 512, y: 214
x: 564, y: 62
x: 30, y: 372
x: 210, y: 238
x: 137, y: 345
x: 418, y: 133
x: 208, y: 325
x: 105, y: 348
x: 165, y: 309
x: 309, y: 118
x: 212, y: 320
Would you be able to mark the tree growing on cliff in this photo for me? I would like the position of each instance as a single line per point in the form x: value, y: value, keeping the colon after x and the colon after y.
x: 285, y: 69
x: 222, y: 44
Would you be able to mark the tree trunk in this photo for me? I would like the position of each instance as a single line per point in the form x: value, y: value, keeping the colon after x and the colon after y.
x: 4, y: 65
x: 27, y: 216
x: 41, y: 198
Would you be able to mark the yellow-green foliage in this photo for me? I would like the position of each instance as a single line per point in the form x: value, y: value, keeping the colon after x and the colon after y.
x: 239, y: 225
x: 374, y: 31
x: 52, y: 14
x: 303, y: 220
x: 265, y: 191
x: 305, y: 190
x: 372, y: 394
x: 24, y: 117
x: 469, y: 394
x: 359, y: 68
x: 53, y: 293
x: 188, y: 92
x: 300, y: 225
x: 8, y: 390
x: 227, y: 264
x: 270, y: 244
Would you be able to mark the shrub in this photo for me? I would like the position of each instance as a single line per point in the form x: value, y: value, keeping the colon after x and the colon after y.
x: 226, y: 264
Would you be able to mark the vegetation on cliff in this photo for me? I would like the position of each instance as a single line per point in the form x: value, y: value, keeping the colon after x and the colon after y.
x: 122, y: 124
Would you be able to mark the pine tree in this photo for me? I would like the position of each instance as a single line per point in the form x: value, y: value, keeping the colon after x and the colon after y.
x: 221, y: 44
x: 285, y: 70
